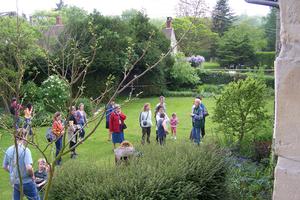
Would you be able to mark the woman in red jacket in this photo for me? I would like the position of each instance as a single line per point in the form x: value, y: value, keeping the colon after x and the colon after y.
x: 58, y: 131
x: 116, y: 125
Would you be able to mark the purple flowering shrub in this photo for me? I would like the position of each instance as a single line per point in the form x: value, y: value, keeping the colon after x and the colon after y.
x: 196, y: 60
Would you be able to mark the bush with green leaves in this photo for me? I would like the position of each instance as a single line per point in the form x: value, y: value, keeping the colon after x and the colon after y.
x: 209, y: 88
x: 174, y: 171
x: 266, y: 59
x: 182, y: 72
x: 55, y: 93
x: 31, y: 92
x: 240, y: 109
x: 248, y: 180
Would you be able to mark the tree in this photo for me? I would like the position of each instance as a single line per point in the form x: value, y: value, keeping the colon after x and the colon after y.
x: 199, y: 39
x: 222, y: 17
x: 190, y: 8
x: 270, y: 29
x: 18, y: 50
x: 240, y: 109
x: 235, y: 49
x: 60, y: 5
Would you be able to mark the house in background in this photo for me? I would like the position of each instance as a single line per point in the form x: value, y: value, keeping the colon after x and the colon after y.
x: 170, y: 34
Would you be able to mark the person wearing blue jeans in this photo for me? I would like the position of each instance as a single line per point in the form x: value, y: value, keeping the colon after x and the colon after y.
x: 197, y: 119
x: 58, y: 144
x: 25, y: 166
x: 81, y: 120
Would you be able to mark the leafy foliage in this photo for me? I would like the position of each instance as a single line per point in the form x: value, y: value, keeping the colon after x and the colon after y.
x: 222, y: 17
x: 161, y: 173
x: 235, y: 49
x: 266, y: 59
x: 270, y: 29
x: 182, y: 72
x: 55, y: 92
x: 199, y: 39
x: 240, y: 109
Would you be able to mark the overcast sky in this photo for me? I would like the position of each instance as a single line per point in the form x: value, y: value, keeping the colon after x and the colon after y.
x: 154, y: 8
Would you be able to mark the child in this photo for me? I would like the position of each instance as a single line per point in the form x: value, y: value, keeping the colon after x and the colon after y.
x: 41, y: 176
x: 174, y: 121
x: 162, y: 129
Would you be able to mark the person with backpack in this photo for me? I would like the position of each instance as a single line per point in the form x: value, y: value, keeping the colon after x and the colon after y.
x: 146, y: 122
x: 197, y: 120
x: 58, y: 131
x: 81, y: 120
x: 117, y: 125
x: 15, y: 112
x: 28, y: 116
x: 162, y: 129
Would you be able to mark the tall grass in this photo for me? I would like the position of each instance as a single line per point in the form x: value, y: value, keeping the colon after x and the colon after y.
x: 174, y: 171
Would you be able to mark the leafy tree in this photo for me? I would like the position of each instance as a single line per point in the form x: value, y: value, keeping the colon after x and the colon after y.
x: 235, y: 49
x: 199, y: 39
x: 240, y: 109
x: 254, y: 30
x: 182, y: 72
x: 270, y: 29
x: 18, y: 50
x: 222, y: 17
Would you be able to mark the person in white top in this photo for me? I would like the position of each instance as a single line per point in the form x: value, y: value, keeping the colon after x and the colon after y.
x: 160, y: 109
x: 146, y: 122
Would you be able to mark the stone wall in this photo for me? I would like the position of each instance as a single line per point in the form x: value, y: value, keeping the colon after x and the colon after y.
x: 287, y: 105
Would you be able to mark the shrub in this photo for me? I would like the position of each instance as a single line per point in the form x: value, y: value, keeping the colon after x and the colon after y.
x: 41, y: 116
x: 182, y: 72
x: 174, y: 171
x: 218, y: 77
x: 240, y: 109
x: 207, y: 88
x: 180, y: 94
x: 266, y: 59
x: 55, y: 92
x: 249, y: 181
x: 31, y: 92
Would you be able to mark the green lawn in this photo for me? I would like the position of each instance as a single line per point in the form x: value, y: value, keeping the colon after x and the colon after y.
x: 98, y: 149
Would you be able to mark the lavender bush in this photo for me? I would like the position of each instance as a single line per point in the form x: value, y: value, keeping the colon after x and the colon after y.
x: 196, y: 61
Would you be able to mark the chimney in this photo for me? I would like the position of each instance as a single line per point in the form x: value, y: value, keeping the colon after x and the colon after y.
x: 169, y: 22
x: 58, y: 20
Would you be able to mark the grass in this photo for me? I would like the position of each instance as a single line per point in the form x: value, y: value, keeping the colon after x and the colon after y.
x: 211, y: 65
x: 97, y: 147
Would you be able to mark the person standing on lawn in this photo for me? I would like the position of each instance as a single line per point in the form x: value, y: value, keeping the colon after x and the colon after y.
x: 58, y: 131
x: 161, y: 104
x: 73, y: 131
x: 159, y: 111
x: 174, y: 122
x: 15, y: 111
x: 109, y: 110
x: 162, y: 129
x: 197, y: 120
x: 117, y: 125
x: 23, y: 153
x: 146, y: 122
x: 28, y: 116
x: 81, y: 120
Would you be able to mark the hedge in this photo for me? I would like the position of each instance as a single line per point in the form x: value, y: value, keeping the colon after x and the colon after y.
x: 221, y: 78
x: 266, y: 59
x: 174, y: 171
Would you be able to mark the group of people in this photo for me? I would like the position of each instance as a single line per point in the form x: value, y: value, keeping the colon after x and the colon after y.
x: 33, y: 182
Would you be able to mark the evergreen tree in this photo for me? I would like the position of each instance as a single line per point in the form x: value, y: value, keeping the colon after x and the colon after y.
x: 270, y: 29
x: 60, y: 5
x: 222, y: 17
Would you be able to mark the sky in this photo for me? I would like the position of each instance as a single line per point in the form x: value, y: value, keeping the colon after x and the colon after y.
x: 154, y: 8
